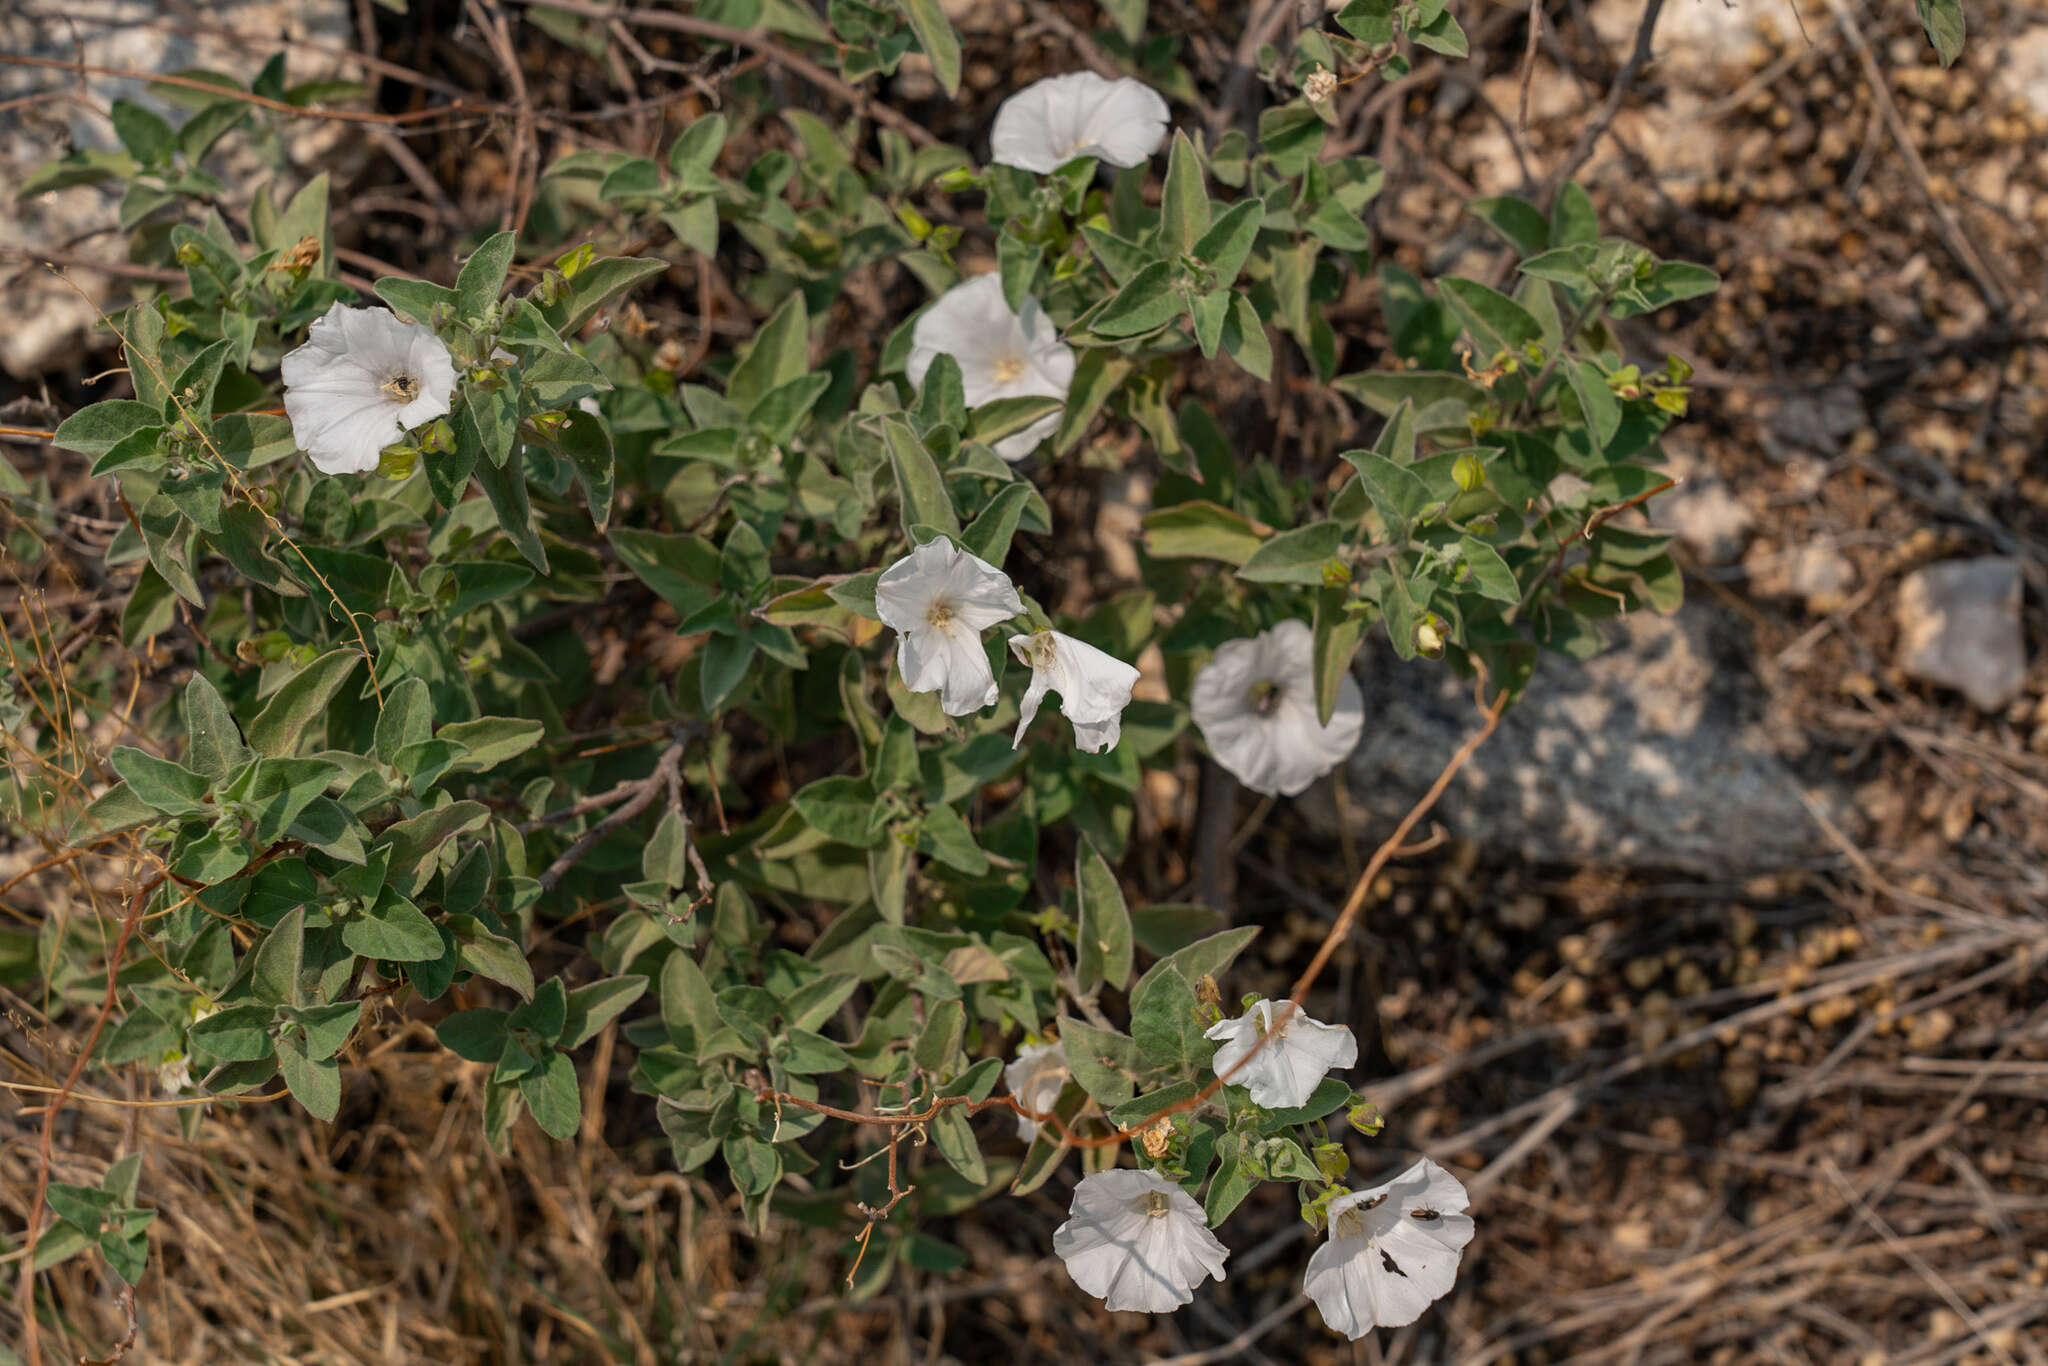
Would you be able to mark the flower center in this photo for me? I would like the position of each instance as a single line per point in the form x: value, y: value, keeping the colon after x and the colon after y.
x: 1042, y: 650
x: 1264, y: 697
x: 403, y: 388
x: 939, y: 616
x: 1009, y: 367
x: 1349, y: 1225
x: 1156, y: 1204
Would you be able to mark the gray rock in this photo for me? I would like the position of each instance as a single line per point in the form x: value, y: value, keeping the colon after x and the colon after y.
x: 49, y: 321
x: 1654, y: 754
x: 1712, y: 522
x: 1959, y: 627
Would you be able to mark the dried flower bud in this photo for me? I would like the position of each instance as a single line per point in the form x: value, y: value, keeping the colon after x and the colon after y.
x: 671, y: 356
x: 1156, y: 1139
x: 1206, y: 990
x: 1320, y: 85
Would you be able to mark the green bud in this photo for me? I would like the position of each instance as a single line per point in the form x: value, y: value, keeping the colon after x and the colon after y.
x: 1469, y: 472
x: 957, y: 180
x: 440, y: 437
x: 1429, y: 636
x: 1336, y: 573
x: 398, y: 461
x: 571, y: 262
x: 1331, y: 1160
x: 1366, y: 1118
x: 914, y: 223
x: 190, y: 255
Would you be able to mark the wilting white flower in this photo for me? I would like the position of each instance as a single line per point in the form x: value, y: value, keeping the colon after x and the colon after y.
x: 1135, y: 1240
x: 1255, y: 704
x: 1284, y: 1073
x: 1001, y: 354
x: 1094, y: 687
x: 364, y: 378
x: 1393, y: 1251
x: 939, y: 598
x: 174, y: 1074
x: 1050, y: 122
x: 1035, y: 1078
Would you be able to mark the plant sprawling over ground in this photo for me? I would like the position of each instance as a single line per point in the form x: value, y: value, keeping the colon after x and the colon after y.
x: 847, y: 861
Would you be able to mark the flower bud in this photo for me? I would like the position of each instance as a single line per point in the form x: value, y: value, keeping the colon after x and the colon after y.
x: 1321, y: 84
x: 1469, y: 472
x: 957, y: 180
x: 1366, y: 1118
x: 1429, y: 636
x: 914, y: 223
x: 190, y: 255
x: 398, y: 461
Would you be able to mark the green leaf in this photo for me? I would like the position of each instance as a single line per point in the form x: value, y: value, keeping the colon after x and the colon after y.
x: 1442, y: 34
x: 1228, y: 240
x: 1337, y: 633
x: 146, y: 137
x: 953, y: 1136
x: 482, y: 277
x: 1149, y: 301
x: 1164, y: 1020
x: 1205, y: 957
x: 315, y: 1085
x: 1601, y: 407
x: 327, y: 1027
x: 922, y: 492
x: 165, y: 786
x: 989, y: 536
x: 1668, y: 283
x: 779, y: 353
x: 1395, y: 491
x: 98, y: 429
x: 1943, y: 20
x: 1101, y: 1060
x: 596, y: 1004
x: 1493, y: 320
x: 416, y: 299
x: 478, y: 1035
x: 213, y: 743
x: 1573, y: 221
x: 274, y: 969
x: 939, y: 1041
x: 687, y: 1001
x: 395, y: 931
x: 597, y: 285
x: 1296, y: 556
x: 1184, y: 205
x: 936, y: 38
x: 236, y: 1034
x: 505, y: 486
x: 1517, y: 220
x: 282, y: 723
x: 1490, y: 573
x: 490, y: 955
x: 1202, y: 530
x: 551, y: 1096
x: 1103, y: 951
x: 842, y: 808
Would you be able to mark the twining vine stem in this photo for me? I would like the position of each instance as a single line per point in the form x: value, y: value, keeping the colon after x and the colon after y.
x: 1393, y: 846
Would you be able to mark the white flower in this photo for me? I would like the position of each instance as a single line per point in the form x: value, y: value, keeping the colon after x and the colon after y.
x: 1284, y: 1073
x: 363, y: 379
x: 1001, y: 354
x: 1094, y: 687
x: 1393, y: 1250
x: 1135, y: 1240
x: 1035, y: 1078
x: 1255, y: 704
x: 1049, y: 123
x: 174, y: 1074
x: 940, y: 599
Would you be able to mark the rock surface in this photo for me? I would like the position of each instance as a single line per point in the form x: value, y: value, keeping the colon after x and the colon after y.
x: 1655, y: 754
x: 48, y: 320
x: 1959, y: 627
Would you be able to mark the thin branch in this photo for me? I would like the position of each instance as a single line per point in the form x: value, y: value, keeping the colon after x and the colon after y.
x: 1597, y: 129
x: 639, y: 794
